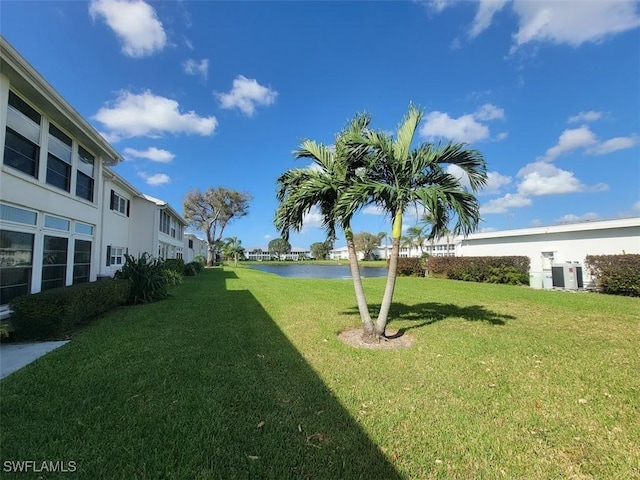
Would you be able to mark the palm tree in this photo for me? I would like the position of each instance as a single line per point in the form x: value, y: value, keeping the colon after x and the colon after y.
x: 416, y: 237
x: 398, y: 177
x: 232, y: 247
x: 321, y: 186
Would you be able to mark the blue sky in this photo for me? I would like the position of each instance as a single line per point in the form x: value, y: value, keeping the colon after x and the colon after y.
x: 205, y: 94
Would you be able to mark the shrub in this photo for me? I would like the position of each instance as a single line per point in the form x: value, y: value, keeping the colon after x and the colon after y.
x: 198, y: 265
x: 147, y: 278
x: 616, y: 274
x: 410, y: 267
x: 173, y: 277
x: 200, y: 259
x: 190, y: 269
x: 174, y: 264
x: 512, y: 270
x: 54, y: 313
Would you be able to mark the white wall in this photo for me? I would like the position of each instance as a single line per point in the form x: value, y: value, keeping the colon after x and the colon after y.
x: 559, y: 244
x: 199, y: 247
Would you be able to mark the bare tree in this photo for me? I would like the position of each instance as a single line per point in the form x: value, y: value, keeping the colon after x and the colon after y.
x: 212, y: 210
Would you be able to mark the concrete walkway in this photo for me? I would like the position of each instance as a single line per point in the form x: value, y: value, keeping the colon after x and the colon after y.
x: 15, y: 356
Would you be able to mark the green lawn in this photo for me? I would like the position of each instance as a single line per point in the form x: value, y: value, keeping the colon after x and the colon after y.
x: 240, y: 375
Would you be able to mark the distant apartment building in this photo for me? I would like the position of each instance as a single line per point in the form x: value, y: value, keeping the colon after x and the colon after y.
x: 262, y: 254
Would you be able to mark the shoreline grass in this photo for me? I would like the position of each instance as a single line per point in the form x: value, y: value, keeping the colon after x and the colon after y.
x: 501, y: 382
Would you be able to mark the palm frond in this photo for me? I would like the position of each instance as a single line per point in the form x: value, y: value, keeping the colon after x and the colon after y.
x: 406, y: 132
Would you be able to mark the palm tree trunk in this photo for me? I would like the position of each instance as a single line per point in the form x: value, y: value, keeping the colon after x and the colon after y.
x: 383, y: 315
x: 368, y: 334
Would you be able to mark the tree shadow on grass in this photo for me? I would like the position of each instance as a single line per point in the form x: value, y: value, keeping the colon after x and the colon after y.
x: 202, y: 385
x: 424, y: 314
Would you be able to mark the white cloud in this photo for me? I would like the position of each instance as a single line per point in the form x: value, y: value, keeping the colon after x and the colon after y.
x: 460, y: 174
x: 467, y: 128
x: 573, y: 22
x: 439, y: 5
x: 373, y: 210
x: 486, y: 10
x: 312, y: 219
x: 461, y: 129
x: 246, y: 94
x: 267, y: 237
x: 495, y: 182
x: 193, y: 67
x: 489, y: 112
x: 613, y: 144
x: 152, y: 153
x: 156, y: 179
x: 501, y: 205
x: 636, y: 206
x: 134, y: 22
x: 571, y: 218
x: 541, y: 178
x: 583, y: 138
x: 146, y: 114
x: 590, y: 116
x: 570, y: 139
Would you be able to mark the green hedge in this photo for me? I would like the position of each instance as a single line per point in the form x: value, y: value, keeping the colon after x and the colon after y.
x: 410, y: 267
x: 616, y: 274
x: 513, y: 270
x: 175, y: 264
x: 191, y: 269
x: 55, y: 313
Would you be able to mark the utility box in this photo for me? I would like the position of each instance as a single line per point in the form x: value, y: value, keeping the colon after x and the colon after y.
x: 567, y: 276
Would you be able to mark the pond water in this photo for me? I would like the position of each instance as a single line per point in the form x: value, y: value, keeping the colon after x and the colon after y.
x: 319, y: 271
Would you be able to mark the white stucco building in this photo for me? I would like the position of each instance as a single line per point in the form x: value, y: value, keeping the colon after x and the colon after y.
x: 51, y: 185
x: 65, y: 216
x: 556, y: 244
x: 135, y: 223
x: 193, y: 246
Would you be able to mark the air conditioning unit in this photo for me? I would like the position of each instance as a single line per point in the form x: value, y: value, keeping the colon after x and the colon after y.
x: 567, y: 276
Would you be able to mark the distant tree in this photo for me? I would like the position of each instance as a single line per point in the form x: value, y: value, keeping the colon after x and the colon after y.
x: 212, y: 210
x: 232, y: 248
x: 386, y: 237
x: 320, y: 250
x: 416, y: 236
x: 366, y: 243
x: 278, y: 247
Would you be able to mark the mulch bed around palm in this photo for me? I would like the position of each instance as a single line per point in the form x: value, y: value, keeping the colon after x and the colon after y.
x: 395, y: 339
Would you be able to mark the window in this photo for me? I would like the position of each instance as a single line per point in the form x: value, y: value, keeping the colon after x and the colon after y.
x: 84, y: 229
x: 21, y: 149
x: 119, y: 204
x: 54, y: 262
x: 81, y: 261
x: 20, y: 153
x: 115, y: 255
x: 59, y: 159
x: 18, y: 215
x: 190, y: 243
x: 165, y: 222
x: 56, y: 222
x: 84, y: 179
x: 16, y: 264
